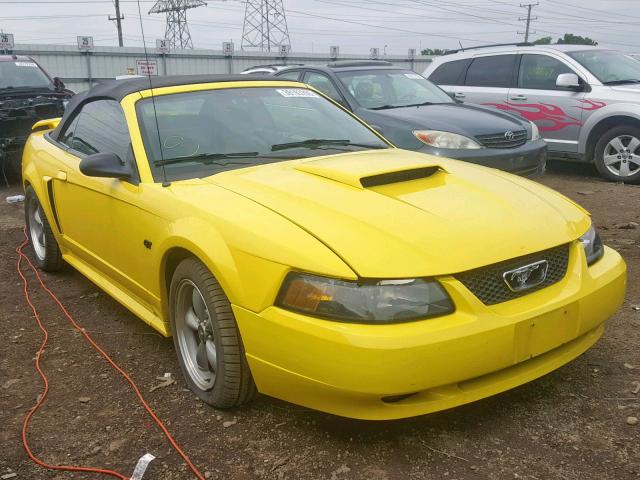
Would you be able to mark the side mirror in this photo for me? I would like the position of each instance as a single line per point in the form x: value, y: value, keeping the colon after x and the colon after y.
x: 568, y: 80
x: 58, y: 83
x: 106, y: 165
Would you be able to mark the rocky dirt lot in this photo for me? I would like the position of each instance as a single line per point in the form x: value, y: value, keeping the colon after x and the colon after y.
x: 571, y: 424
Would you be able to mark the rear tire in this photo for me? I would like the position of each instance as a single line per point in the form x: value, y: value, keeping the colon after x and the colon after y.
x: 44, y: 246
x: 207, y: 339
x: 617, y: 154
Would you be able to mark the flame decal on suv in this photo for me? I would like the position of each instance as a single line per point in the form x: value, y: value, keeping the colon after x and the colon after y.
x: 536, y: 112
x: 590, y: 105
x: 554, y: 117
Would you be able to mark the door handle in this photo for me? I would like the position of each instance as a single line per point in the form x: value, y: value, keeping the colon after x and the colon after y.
x: 518, y: 97
x: 61, y: 175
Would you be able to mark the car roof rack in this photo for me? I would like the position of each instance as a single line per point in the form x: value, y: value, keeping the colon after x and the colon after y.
x: 270, y: 65
x: 518, y: 44
x: 359, y: 63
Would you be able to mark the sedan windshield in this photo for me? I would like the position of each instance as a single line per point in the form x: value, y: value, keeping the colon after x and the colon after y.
x: 197, y: 134
x: 381, y: 89
x: 22, y: 74
x: 608, y: 66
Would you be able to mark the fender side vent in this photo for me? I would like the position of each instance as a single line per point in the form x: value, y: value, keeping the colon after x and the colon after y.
x: 52, y: 202
x: 397, y: 177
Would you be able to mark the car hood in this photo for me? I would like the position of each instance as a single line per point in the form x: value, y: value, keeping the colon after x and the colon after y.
x: 470, y: 120
x: 393, y: 213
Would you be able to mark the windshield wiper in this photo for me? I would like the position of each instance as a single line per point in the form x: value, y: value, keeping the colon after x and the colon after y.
x: 418, y: 104
x: 320, y: 142
x: 621, y: 82
x: 206, y: 158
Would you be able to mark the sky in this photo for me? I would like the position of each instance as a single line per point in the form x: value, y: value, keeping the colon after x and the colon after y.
x: 355, y: 26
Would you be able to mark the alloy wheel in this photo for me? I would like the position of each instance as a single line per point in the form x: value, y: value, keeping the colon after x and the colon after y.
x: 621, y: 156
x: 36, y: 229
x: 194, y: 329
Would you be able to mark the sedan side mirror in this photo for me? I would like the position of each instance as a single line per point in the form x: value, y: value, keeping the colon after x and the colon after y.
x: 107, y: 165
x: 58, y: 83
x: 568, y: 80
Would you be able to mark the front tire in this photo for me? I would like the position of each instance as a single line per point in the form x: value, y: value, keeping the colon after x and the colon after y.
x: 43, y: 244
x: 617, y: 154
x: 207, y: 339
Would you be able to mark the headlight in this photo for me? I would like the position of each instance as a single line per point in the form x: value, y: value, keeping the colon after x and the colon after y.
x: 592, y: 244
x: 439, y: 139
x: 535, y: 132
x: 366, y: 301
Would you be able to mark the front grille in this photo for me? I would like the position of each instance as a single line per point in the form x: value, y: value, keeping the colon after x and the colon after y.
x: 498, y: 140
x: 487, y: 283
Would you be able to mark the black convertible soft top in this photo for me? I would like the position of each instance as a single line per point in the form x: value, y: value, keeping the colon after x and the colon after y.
x: 118, y: 89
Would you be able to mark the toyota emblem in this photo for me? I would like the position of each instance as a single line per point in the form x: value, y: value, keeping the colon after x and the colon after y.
x: 509, y: 135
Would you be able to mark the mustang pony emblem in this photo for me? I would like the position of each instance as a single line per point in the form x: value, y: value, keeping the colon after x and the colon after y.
x: 526, y: 277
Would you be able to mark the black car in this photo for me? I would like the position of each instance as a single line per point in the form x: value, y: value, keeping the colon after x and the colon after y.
x: 27, y: 94
x: 415, y: 114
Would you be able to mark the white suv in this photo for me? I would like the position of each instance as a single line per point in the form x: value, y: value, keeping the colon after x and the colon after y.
x: 585, y: 100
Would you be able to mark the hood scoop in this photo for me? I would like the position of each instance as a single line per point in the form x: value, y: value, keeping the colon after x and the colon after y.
x: 372, y: 169
x: 397, y: 177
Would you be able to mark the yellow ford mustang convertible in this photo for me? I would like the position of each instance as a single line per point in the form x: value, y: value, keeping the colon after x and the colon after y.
x: 290, y: 250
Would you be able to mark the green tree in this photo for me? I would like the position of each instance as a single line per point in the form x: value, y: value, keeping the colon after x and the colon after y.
x: 434, y: 51
x: 543, y: 41
x: 571, y: 39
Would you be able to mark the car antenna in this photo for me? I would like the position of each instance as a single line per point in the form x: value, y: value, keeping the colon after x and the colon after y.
x: 461, y: 47
x: 165, y: 182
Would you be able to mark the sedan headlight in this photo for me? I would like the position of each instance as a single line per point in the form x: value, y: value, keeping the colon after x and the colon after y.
x: 535, y: 132
x: 439, y: 139
x: 365, y: 301
x: 592, y: 244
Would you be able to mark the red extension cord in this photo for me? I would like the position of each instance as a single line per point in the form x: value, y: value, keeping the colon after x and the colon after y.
x: 111, y: 362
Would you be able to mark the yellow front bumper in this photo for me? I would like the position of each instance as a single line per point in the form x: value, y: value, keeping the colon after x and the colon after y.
x: 478, y: 351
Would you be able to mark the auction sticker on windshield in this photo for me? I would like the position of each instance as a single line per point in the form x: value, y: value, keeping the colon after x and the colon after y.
x: 415, y: 76
x: 297, y: 92
x: 26, y: 64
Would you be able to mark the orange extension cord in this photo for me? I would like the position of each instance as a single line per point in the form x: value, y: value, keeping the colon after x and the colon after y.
x: 106, y: 356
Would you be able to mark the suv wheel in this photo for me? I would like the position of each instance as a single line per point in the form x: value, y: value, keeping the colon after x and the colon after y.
x: 617, y: 154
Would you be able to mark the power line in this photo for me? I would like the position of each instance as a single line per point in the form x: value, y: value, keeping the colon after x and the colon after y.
x: 528, y: 6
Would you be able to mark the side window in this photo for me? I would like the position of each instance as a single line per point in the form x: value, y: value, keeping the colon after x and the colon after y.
x: 66, y: 137
x: 321, y: 82
x: 491, y: 71
x: 450, y: 73
x: 101, y: 127
x: 540, y: 72
x: 290, y: 75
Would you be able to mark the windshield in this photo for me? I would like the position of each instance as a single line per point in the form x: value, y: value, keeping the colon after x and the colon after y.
x: 205, y: 132
x: 22, y: 74
x: 378, y: 89
x: 609, y: 66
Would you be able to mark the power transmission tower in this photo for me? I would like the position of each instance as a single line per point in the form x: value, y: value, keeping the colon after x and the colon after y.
x: 118, y: 18
x: 529, y: 19
x: 265, y: 25
x: 177, y: 31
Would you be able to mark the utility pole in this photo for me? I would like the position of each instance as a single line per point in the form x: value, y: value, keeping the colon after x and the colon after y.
x: 118, y: 18
x: 528, y: 19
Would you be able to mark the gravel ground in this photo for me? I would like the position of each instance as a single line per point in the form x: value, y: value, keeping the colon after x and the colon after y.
x: 570, y: 424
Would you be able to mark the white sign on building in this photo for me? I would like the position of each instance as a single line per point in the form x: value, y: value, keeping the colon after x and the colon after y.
x: 85, y: 44
x: 284, y: 50
x: 6, y: 41
x: 227, y: 49
x: 162, y: 45
x: 147, y: 67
